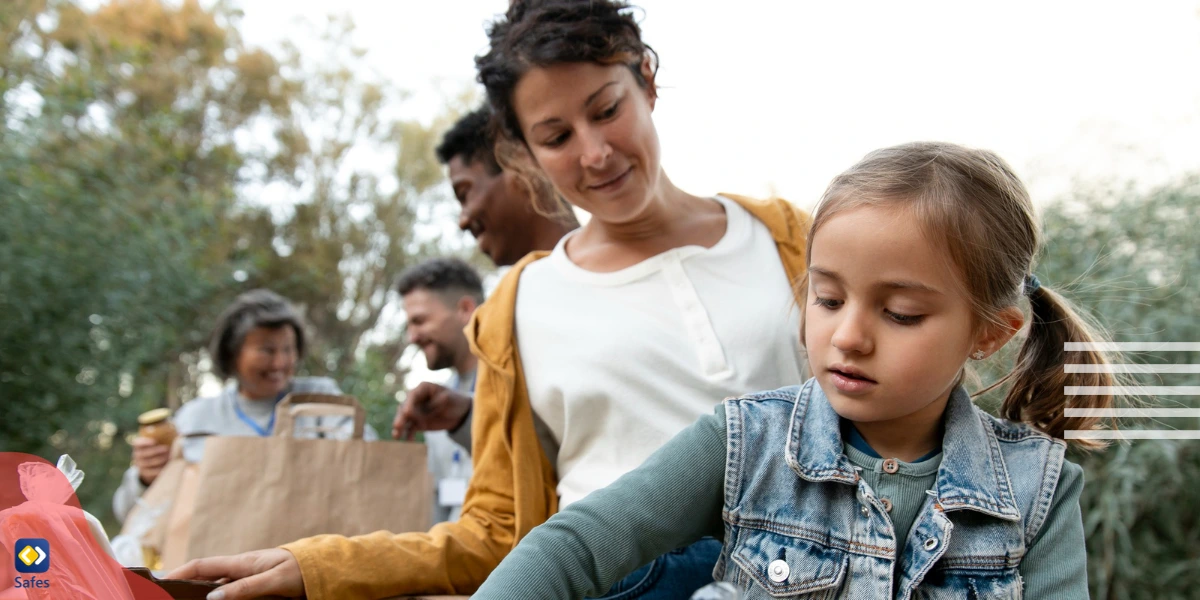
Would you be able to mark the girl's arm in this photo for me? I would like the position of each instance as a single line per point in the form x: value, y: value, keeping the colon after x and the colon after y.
x: 672, y: 500
x: 1055, y: 566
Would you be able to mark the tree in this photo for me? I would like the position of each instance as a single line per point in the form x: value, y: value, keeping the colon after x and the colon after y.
x: 338, y: 250
x: 117, y: 176
x: 137, y: 137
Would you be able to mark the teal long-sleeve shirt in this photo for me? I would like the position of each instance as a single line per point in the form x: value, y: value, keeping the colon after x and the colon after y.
x: 675, y: 498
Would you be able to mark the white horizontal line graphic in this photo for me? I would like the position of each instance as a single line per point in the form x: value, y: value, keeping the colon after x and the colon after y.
x: 1133, y: 412
x: 1133, y: 390
x: 1133, y: 346
x: 1134, y: 434
x: 1085, y: 368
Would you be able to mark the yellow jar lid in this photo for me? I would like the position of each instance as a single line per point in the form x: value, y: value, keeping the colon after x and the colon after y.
x: 151, y: 417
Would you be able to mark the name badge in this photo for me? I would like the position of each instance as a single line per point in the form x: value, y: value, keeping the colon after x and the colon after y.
x: 452, y: 491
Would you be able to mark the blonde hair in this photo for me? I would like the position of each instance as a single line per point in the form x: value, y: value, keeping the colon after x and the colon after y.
x: 972, y: 204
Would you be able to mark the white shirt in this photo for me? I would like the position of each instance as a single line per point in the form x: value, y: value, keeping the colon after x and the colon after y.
x: 449, y: 461
x: 618, y: 363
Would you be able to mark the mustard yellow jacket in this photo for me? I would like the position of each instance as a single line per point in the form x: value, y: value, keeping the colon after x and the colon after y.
x: 513, y: 486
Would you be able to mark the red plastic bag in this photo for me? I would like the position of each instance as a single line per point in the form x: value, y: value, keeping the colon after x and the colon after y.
x: 38, y: 503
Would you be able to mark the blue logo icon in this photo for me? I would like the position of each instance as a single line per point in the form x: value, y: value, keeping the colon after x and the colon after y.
x: 32, y: 555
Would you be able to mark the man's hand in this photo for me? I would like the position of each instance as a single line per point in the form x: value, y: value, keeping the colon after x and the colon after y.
x: 149, y: 457
x: 430, y: 407
x: 273, y: 572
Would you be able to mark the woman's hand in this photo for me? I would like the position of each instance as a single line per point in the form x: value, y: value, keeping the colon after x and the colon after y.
x: 149, y: 457
x: 273, y: 572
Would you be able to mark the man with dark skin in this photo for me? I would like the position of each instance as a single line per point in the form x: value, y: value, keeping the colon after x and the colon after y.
x: 500, y: 211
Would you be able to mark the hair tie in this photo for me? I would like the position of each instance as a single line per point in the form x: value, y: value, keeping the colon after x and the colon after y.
x: 1031, y: 284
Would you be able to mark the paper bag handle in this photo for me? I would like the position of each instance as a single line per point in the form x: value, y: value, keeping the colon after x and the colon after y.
x: 294, y: 405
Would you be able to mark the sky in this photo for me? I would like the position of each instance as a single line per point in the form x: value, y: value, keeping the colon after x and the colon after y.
x: 778, y: 97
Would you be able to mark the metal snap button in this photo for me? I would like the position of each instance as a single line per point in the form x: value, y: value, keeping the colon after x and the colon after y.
x: 887, y: 504
x: 865, y: 511
x: 779, y: 571
x: 891, y: 465
x: 931, y: 543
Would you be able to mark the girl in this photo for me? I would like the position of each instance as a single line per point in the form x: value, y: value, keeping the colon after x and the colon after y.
x: 878, y: 477
x: 594, y: 355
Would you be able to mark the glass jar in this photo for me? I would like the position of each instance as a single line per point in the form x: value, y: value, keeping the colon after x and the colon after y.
x: 156, y: 425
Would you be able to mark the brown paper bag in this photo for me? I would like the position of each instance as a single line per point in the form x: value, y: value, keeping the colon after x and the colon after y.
x: 260, y: 492
x: 177, y: 526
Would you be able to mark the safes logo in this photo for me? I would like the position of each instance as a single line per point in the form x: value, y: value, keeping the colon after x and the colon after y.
x: 32, y: 555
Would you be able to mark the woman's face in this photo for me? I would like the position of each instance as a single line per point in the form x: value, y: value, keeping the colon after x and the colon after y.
x: 588, y: 126
x: 266, y: 362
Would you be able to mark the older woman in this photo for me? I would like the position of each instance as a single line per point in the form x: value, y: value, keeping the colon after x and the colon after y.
x: 257, y: 343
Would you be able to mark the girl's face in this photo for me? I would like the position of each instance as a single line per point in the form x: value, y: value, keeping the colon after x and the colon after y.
x: 886, y: 328
x: 588, y: 127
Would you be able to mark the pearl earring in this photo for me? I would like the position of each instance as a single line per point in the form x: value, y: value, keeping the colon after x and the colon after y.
x: 977, y: 355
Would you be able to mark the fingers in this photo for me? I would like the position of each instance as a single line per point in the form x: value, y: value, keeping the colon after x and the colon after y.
x: 152, y: 455
x: 398, y: 422
x: 149, y: 457
x: 263, y: 584
x: 273, y: 572
x: 419, y: 399
x: 410, y: 415
x: 401, y: 425
x: 212, y: 569
x: 143, y: 442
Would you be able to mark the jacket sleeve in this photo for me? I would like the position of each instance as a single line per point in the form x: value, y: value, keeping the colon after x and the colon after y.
x: 127, y: 494
x: 1055, y: 566
x: 672, y: 500
x: 452, y: 558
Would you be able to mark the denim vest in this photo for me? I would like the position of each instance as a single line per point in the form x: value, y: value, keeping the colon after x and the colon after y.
x: 801, y: 523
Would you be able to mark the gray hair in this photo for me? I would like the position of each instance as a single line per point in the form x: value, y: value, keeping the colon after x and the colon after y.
x: 256, y: 308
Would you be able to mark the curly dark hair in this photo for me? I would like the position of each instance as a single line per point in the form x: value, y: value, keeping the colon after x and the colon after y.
x: 471, y: 139
x: 541, y: 33
x: 442, y: 275
x: 255, y: 308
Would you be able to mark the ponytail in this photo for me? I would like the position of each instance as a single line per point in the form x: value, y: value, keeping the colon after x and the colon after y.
x: 1039, y: 380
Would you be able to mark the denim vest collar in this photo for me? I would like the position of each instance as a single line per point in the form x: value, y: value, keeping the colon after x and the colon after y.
x: 972, y: 475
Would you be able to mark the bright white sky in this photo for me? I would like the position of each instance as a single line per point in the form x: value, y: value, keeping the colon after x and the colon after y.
x: 767, y: 95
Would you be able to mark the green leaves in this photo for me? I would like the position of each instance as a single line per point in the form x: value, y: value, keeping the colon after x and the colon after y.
x: 130, y: 217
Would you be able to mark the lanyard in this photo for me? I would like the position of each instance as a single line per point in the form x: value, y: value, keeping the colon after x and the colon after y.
x: 247, y: 420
